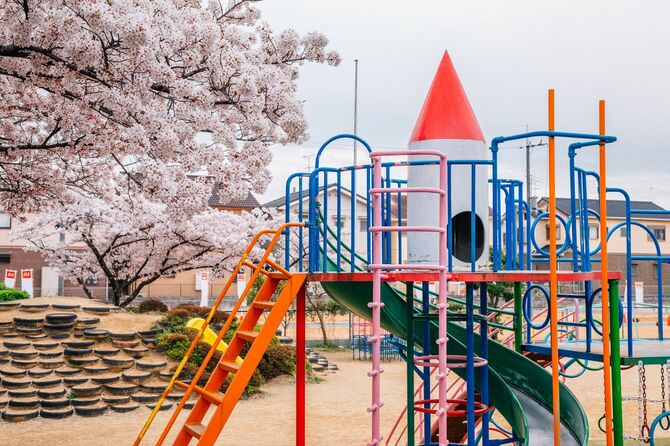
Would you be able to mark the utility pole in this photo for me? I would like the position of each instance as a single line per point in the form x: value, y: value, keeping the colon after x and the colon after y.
x: 309, y: 162
x: 355, y: 110
x: 529, y: 186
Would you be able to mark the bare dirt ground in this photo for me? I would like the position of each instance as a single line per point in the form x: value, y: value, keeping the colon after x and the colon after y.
x: 336, y: 407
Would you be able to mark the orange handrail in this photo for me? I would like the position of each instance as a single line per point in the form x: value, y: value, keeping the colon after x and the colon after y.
x: 231, y: 279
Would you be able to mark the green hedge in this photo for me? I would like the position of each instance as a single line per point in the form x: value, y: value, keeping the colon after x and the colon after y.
x: 7, y: 294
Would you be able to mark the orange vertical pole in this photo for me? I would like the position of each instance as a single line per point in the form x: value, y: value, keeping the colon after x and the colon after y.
x: 553, y: 285
x: 609, y: 433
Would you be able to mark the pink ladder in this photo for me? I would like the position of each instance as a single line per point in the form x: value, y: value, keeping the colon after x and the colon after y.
x: 377, y: 276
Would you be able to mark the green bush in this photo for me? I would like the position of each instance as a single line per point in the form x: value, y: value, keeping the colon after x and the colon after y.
x: 152, y: 306
x: 278, y: 360
x: 196, y: 311
x: 7, y: 294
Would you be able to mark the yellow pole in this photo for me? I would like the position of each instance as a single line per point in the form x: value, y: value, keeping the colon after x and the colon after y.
x: 553, y: 286
x: 609, y: 433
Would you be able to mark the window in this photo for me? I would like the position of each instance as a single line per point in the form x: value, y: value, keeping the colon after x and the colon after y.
x: 5, y: 257
x: 558, y: 232
x: 594, y: 233
x: 659, y: 233
x: 5, y: 221
x: 363, y: 224
x: 341, y: 222
x: 633, y: 269
x: 623, y: 232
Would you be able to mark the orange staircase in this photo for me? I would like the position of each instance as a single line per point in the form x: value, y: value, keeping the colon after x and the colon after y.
x: 206, y: 429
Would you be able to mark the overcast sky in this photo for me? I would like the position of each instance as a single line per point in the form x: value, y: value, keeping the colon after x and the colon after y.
x: 507, y: 53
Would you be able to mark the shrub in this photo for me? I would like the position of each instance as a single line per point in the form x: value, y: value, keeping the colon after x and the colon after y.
x: 8, y: 294
x: 278, y: 360
x: 196, y: 311
x: 152, y: 306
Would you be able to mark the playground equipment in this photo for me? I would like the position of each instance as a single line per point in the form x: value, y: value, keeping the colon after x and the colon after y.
x: 478, y: 365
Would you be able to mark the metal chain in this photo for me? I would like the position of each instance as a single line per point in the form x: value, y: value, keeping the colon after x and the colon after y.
x: 644, y: 431
x: 640, y: 373
x: 663, y: 387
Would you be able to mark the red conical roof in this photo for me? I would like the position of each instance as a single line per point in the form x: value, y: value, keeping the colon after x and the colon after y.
x: 446, y: 112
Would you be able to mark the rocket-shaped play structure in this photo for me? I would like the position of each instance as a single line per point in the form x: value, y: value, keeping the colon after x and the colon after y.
x: 447, y: 123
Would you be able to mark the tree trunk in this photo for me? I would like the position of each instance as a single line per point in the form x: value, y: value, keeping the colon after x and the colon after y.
x: 319, y: 316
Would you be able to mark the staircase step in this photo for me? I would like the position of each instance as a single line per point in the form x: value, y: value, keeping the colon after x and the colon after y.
x: 28, y: 331
x: 195, y: 429
x: 71, y: 381
x: 78, y: 344
x: 106, y: 378
x: 52, y: 363
x: 56, y: 413
x: 36, y: 336
x: 121, y: 388
x: 56, y: 403
x: 150, y: 365
x: 265, y: 306
x: 65, y: 307
x: 23, y: 354
x: 13, y: 415
x: 85, y: 401
x: 106, y: 351
x: 82, y: 361
x: 153, y: 388
x: 66, y: 371
x: 51, y: 394
x: 84, y: 390
x: 12, y: 371
x: 115, y: 399
x: 247, y: 335
x: 61, y: 318
x: 118, y: 362
x: 47, y: 382
x: 136, y: 352
x: 96, y: 369
x: 71, y: 352
x: 16, y: 345
x: 33, y: 307
x: 136, y: 376
x: 123, y: 408
x: 16, y: 382
x: 229, y: 366
x: 167, y: 405
x: 126, y: 344
x: 166, y: 375
x: 24, y: 403
x: 57, y: 328
x: 96, y: 333
x: 144, y: 398
x: 24, y: 363
x: 91, y: 411
x: 50, y: 354
x: 28, y: 392
x: 28, y: 321
x: 123, y: 335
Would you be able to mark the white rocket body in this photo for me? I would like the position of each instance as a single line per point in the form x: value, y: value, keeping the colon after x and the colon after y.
x: 448, y: 124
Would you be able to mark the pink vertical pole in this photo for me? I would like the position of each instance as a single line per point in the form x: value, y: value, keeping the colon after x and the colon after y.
x: 300, y: 369
x: 375, y: 305
x: 442, y: 310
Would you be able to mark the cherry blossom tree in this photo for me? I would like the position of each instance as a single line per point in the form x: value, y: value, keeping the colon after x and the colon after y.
x: 132, y: 241
x: 89, y: 87
x: 109, y: 107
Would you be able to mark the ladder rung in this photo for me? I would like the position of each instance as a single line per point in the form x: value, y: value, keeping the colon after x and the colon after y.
x: 428, y: 190
x: 407, y: 229
x: 230, y: 366
x: 247, y: 335
x: 195, y: 429
x: 264, y: 305
x: 212, y: 397
x: 280, y: 276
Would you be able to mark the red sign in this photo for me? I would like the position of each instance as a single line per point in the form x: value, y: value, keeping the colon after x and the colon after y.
x: 27, y: 274
x: 204, y: 276
x: 10, y: 274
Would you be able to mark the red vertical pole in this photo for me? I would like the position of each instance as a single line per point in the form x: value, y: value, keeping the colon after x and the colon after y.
x: 300, y: 369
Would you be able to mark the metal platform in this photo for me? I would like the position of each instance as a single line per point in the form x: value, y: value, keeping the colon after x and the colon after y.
x: 536, y: 276
x: 649, y: 351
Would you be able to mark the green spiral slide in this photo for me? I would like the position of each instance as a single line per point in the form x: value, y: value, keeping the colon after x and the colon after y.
x: 518, y: 387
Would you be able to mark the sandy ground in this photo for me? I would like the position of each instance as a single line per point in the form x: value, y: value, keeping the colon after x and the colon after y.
x: 336, y: 407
